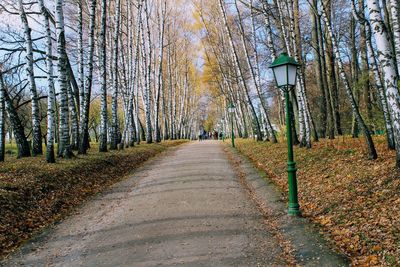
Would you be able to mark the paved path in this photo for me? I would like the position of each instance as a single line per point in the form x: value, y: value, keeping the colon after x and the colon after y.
x: 185, y: 208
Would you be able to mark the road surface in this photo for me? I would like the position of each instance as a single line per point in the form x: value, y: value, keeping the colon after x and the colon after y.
x: 184, y: 208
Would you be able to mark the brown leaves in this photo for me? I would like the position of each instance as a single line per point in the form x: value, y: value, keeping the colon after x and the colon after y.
x: 354, y: 200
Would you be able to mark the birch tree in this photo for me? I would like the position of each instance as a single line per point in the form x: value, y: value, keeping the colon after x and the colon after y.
x: 30, y: 74
x: 147, y: 55
x: 160, y: 83
x: 114, y: 107
x: 372, y: 60
x: 103, y: 78
x: 51, y: 98
x: 64, y: 148
x: 390, y: 76
x: 394, y: 8
x: 84, y: 142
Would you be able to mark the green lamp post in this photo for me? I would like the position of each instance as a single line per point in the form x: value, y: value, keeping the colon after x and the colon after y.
x: 285, y: 73
x: 231, y: 110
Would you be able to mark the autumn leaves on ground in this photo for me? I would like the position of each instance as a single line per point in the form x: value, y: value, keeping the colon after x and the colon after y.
x: 337, y: 186
x: 355, y: 201
x: 34, y: 195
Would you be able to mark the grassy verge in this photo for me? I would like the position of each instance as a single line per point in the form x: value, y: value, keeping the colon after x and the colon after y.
x: 34, y: 194
x: 355, y: 201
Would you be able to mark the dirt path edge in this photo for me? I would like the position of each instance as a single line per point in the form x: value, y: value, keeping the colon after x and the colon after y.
x: 302, y: 239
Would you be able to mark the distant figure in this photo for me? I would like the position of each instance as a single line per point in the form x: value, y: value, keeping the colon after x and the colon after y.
x: 215, y: 135
x: 200, y: 135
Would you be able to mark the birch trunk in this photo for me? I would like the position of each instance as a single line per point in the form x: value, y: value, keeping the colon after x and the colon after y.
x: 74, y: 119
x: 147, y: 57
x: 170, y: 96
x: 51, y: 98
x: 81, y: 66
x: 387, y: 63
x: 103, y: 79
x: 160, y: 81
x: 114, y: 104
x: 30, y: 75
x: 380, y: 89
x: 84, y: 142
x: 64, y: 148
x: 394, y: 9
x: 296, y: 36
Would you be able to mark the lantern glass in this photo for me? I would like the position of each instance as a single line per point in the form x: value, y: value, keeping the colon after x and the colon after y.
x: 292, y: 74
x: 280, y: 75
x: 285, y: 75
x: 285, y: 70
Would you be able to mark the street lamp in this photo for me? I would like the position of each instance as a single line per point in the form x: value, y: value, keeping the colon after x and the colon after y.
x: 231, y: 110
x: 285, y: 73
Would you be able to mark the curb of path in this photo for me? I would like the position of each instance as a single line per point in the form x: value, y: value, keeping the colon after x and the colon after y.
x: 309, y: 248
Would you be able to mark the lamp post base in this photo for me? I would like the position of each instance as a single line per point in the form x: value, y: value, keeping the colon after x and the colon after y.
x: 294, y: 209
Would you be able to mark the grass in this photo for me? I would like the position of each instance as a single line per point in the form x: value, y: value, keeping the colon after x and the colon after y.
x: 34, y: 194
x: 354, y: 200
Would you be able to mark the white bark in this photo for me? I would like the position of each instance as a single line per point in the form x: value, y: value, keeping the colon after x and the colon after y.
x: 84, y: 135
x: 147, y: 51
x: 304, y: 117
x: 394, y: 8
x: 380, y: 89
x: 387, y: 63
x: 81, y: 65
x: 160, y: 84
x: 114, y: 105
x: 51, y: 99
x: 30, y: 75
x: 103, y: 78
x: 64, y: 149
